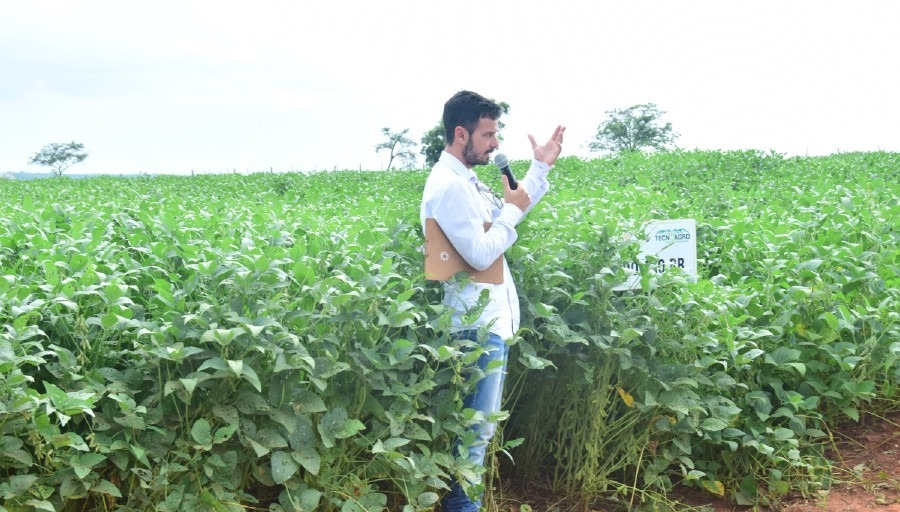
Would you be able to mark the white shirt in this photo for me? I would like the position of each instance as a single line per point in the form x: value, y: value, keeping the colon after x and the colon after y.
x: 453, y: 199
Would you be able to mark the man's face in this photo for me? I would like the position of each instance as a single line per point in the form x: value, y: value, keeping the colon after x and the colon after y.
x: 482, y: 141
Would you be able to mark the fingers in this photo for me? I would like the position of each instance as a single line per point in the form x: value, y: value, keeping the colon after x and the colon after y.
x: 505, y: 181
x: 557, y: 136
x: 551, y: 149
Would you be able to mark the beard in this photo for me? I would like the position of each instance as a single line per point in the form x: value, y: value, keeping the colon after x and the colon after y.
x: 472, y: 158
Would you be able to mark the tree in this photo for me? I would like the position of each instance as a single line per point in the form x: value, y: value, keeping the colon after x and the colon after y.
x: 59, y: 156
x: 434, y: 141
x: 400, y: 146
x: 633, y: 129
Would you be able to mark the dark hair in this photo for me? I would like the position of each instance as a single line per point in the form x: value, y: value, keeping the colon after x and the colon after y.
x: 466, y: 109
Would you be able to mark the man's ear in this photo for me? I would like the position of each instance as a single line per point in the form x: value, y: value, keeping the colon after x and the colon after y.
x: 461, y: 135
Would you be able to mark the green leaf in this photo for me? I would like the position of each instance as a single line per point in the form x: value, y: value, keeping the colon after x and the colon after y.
x: 741, y: 499
x: 782, y: 355
x: 630, y: 334
x: 851, y: 412
x: 336, y: 425
x: 544, y: 310
x: 800, y: 367
x: 41, y: 505
x: 309, y: 458
x: 683, y: 444
x: 783, y: 434
x: 415, y: 431
x: 864, y: 388
x: 694, y: 474
x: 512, y: 443
x: 223, y: 337
x: 395, y: 442
x: 237, y: 367
x: 270, y: 438
x: 83, y: 463
x: 811, y: 265
x: 227, y: 413
x: 427, y: 499
x: 533, y: 362
x: 283, y: 467
x: 248, y: 374
x: 303, y: 433
x: 308, y: 401
x: 224, y: 433
x: 799, y: 292
x: 779, y: 487
x: 69, y: 439
x: 106, y: 487
x: 733, y: 432
x: 70, y: 403
x: 131, y: 421
x: 680, y: 400
x: 189, y: 385
x: 308, y: 499
x: 251, y: 403
x: 445, y: 352
x: 19, y: 485
x: 216, y: 363
x: 201, y: 432
x: 367, y: 503
x: 713, y: 424
x: 753, y: 353
x: 831, y: 320
x: 260, y: 450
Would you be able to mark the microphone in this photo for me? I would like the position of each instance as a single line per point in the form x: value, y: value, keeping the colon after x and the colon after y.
x: 503, y: 164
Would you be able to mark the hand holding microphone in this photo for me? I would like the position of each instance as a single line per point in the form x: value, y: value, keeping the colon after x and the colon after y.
x: 511, y: 191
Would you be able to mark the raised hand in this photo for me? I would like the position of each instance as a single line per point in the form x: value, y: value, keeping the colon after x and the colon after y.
x: 549, y: 152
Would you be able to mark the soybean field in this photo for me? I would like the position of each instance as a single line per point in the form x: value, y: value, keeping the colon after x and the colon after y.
x: 269, y: 342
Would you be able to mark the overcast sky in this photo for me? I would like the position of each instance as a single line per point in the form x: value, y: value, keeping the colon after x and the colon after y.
x: 176, y: 86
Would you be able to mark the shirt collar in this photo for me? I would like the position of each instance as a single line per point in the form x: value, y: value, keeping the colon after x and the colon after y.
x: 458, y: 167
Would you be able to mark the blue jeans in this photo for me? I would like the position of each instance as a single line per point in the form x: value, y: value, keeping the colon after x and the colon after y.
x: 486, y: 398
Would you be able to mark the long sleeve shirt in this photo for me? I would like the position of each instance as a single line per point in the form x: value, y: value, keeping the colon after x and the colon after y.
x: 461, y: 205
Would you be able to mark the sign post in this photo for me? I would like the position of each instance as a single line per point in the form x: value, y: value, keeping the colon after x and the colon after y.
x: 669, y: 243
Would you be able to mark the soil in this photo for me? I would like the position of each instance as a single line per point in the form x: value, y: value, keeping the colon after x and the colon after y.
x: 866, y: 459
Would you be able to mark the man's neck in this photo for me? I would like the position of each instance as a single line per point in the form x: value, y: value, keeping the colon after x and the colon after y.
x: 457, y: 151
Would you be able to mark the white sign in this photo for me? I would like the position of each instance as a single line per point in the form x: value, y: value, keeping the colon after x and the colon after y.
x: 669, y: 243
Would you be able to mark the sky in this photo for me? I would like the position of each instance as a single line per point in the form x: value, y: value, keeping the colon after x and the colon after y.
x: 225, y: 86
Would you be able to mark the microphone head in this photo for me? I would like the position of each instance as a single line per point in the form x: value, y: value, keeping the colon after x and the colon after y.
x: 500, y: 160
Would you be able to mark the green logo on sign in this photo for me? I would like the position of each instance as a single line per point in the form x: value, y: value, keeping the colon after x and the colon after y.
x: 672, y: 235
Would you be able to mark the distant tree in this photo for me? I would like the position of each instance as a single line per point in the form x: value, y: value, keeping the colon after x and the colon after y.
x: 633, y: 129
x: 59, y: 156
x: 504, y: 107
x: 400, y: 147
x: 434, y: 141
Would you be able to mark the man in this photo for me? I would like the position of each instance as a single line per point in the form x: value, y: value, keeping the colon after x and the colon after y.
x: 461, y: 206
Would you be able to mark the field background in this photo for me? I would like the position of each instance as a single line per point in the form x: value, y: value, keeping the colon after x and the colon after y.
x: 268, y: 342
